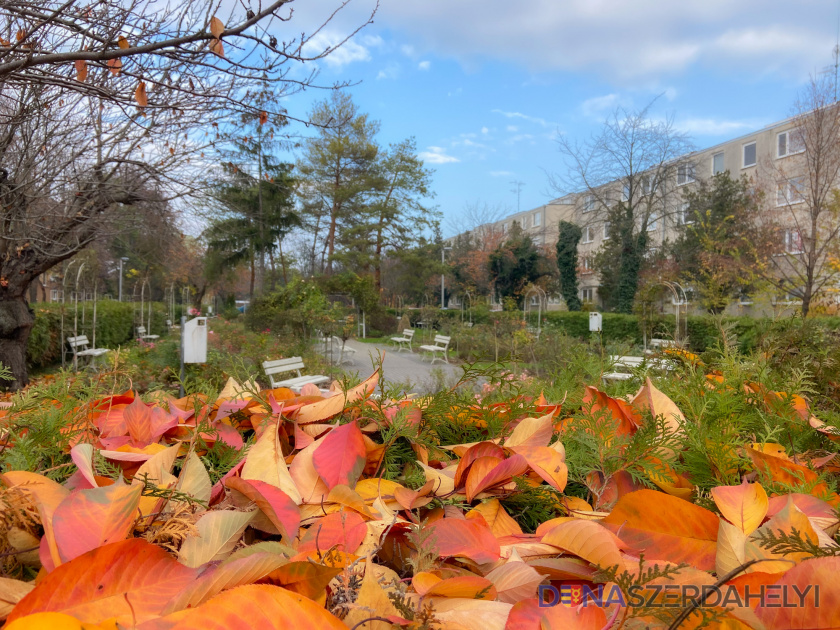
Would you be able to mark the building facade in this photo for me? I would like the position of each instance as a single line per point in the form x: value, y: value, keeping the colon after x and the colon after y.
x: 772, y: 158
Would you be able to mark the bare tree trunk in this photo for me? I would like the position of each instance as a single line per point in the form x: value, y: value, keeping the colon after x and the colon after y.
x: 273, y: 283
x: 282, y: 261
x: 253, y: 274
x: 16, y: 320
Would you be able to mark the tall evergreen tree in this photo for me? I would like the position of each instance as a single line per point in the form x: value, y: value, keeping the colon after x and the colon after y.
x: 514, y: 264
x: 568, y: 237
x: 337, y: 166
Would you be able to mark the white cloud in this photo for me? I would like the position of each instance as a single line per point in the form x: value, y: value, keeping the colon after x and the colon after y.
x: 620, y: 40
x: 714, y: 127
x: 485, y: 130
x: 512, y: 128
x: 437, y: 155
x: 407, y: 50
x: 597, y: 105
x: 424, y: 65
x: 391, y: 71
x: 532, y: 119
x: 349, y: 52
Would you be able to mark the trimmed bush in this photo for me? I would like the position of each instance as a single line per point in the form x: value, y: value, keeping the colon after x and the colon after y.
x: 115, y: 322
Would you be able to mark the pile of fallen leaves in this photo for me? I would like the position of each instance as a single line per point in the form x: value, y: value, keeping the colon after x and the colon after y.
x: 305, y: 532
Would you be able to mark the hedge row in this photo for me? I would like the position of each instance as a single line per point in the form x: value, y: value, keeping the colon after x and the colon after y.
x: 115, y: 324
x: 703, y: 332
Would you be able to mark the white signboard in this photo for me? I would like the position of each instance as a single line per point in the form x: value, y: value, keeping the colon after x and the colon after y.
x: 195, y: 340
x: 594, y: 322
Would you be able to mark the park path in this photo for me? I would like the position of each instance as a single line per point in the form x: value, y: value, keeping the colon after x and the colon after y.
x: 411, y: 369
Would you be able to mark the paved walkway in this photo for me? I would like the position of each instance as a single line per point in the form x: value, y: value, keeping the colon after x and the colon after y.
x: 413, y: 370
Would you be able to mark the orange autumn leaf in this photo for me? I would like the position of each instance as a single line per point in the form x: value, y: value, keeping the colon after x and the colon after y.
x: 815, y: 572
x: 463, y: 538
x: 497, y: 519
x: 81, y: 69
x: 100, y: 584
x: 745, y: 506
x: 305, y: 577
x: 586, y: 539
x: 665, y: 527
x: 140, y: 95
x: 258, y: 606
x: 115, y: 65
x: 343, y: 531
x: 217, y: 27
x: 88, y: 519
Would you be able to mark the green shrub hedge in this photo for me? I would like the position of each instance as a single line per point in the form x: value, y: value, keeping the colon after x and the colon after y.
x: 115, y: 322
x: 619, y: 328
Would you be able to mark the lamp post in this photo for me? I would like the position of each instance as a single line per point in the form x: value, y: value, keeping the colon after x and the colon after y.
x: 122, y: 260
x: 442, y: 276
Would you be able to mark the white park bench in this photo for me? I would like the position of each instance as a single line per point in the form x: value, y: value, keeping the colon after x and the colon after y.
x: 404, y: 342
x: 79, y: 347
x: 441, y: 345
x: 344, y: 352
x: 292, y: 364
x: 141, y: 334
x: 628, y: 363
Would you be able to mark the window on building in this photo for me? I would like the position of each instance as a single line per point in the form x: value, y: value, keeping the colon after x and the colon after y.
x: 653, y: 222
x: 625, y: 192
x: 684, y: 216
x: 537, y: 219
x: 749, y: 154
x: 790, y: 192
x: 586, y: 265
x: 55, y: 295
x: 648, y: 185
x: 685, y: 174
x: 589, y: 203
x: 789, y: 142
x: 606, y: 230
x: 793, y: 241
x: 717, y: 163
x: 587, y: 295
x: 588, y: 234
x: 525, y: 222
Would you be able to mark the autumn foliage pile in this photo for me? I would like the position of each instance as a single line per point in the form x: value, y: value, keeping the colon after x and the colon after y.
x: 271, y: 510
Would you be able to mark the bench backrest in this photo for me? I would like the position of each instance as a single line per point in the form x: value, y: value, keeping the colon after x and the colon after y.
x: 292, y: 364
x: 169, y: 323
x: 440, y: 340
x: 77, y: 342
x: 141, y: 330
x: 408, y: 333
x: 663, y: 343
x: 627, y: 361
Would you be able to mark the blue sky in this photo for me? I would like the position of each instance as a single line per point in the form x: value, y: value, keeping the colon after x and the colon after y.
x: 485, y: 87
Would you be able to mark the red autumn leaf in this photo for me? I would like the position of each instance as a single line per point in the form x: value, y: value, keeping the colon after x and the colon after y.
x: 464, y: 538
x: 88, y: 519
x: 344, y: 531
x: 341, y: 457
x: 129, y: 581
x: 114, y: 65
x: 280, y: 509
x: 263, y: 117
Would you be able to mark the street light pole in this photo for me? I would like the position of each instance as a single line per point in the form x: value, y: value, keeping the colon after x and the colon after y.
x: 442, y: 276
x: 122, y: 260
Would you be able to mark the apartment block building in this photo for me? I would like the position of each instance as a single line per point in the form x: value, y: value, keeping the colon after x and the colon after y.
x: 772, y: 158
